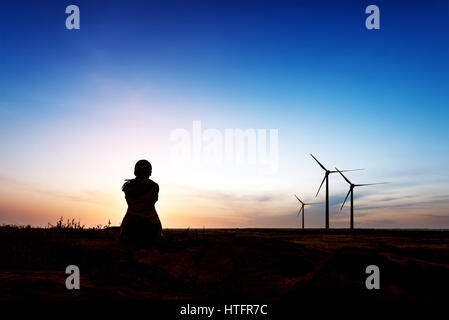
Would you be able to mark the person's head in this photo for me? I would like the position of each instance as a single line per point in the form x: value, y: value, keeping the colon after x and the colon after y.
x: 142, y: 169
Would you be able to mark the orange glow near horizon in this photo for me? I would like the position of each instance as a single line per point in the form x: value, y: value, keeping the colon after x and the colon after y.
x: 200, y: 208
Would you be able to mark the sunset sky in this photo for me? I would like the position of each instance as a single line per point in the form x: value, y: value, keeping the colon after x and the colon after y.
x: 78, y: 108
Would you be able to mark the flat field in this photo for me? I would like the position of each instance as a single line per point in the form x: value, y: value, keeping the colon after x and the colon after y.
x: 225, y: 264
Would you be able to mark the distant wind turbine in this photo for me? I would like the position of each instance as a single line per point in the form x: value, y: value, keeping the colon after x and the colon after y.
x: 303, y: 204
x: 351, y: 191
x: 326, y: 178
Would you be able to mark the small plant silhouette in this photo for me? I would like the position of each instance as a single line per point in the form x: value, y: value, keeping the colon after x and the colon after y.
x: 72, y: 224
x: 69, y: 224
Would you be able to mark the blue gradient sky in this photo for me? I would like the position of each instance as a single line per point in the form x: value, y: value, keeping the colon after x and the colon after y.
x: 79, y: 107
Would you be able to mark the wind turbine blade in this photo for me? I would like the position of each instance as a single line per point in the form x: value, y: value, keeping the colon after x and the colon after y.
x: 352, y: 170
x: 319, y: 163
x: 299, y: 199
x: 345, y: 199
x: 320, y: 186
x: 369, y: 184
x: 298, y: 212
x: 343, y: 176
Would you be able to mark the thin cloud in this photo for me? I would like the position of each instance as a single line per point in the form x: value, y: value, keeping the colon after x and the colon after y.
x: 89, y: 196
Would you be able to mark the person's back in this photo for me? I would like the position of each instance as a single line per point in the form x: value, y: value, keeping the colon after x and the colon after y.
x: 141, y: 224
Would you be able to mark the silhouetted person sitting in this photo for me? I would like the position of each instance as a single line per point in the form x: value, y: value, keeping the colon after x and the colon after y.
x: 141, y: 224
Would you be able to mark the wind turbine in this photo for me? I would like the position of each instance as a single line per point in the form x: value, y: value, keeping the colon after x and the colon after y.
x: 303, y: 204
x: 326, y: 178
x: 351, y: 191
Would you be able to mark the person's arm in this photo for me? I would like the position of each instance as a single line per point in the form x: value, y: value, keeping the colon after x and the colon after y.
x: 156, y: 193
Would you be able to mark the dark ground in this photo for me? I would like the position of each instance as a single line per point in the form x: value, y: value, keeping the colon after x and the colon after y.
x: 224, y: 264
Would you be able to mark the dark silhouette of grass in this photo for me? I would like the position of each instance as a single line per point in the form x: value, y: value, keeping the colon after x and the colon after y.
x: 72, y: 224
x: 217, y: 264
